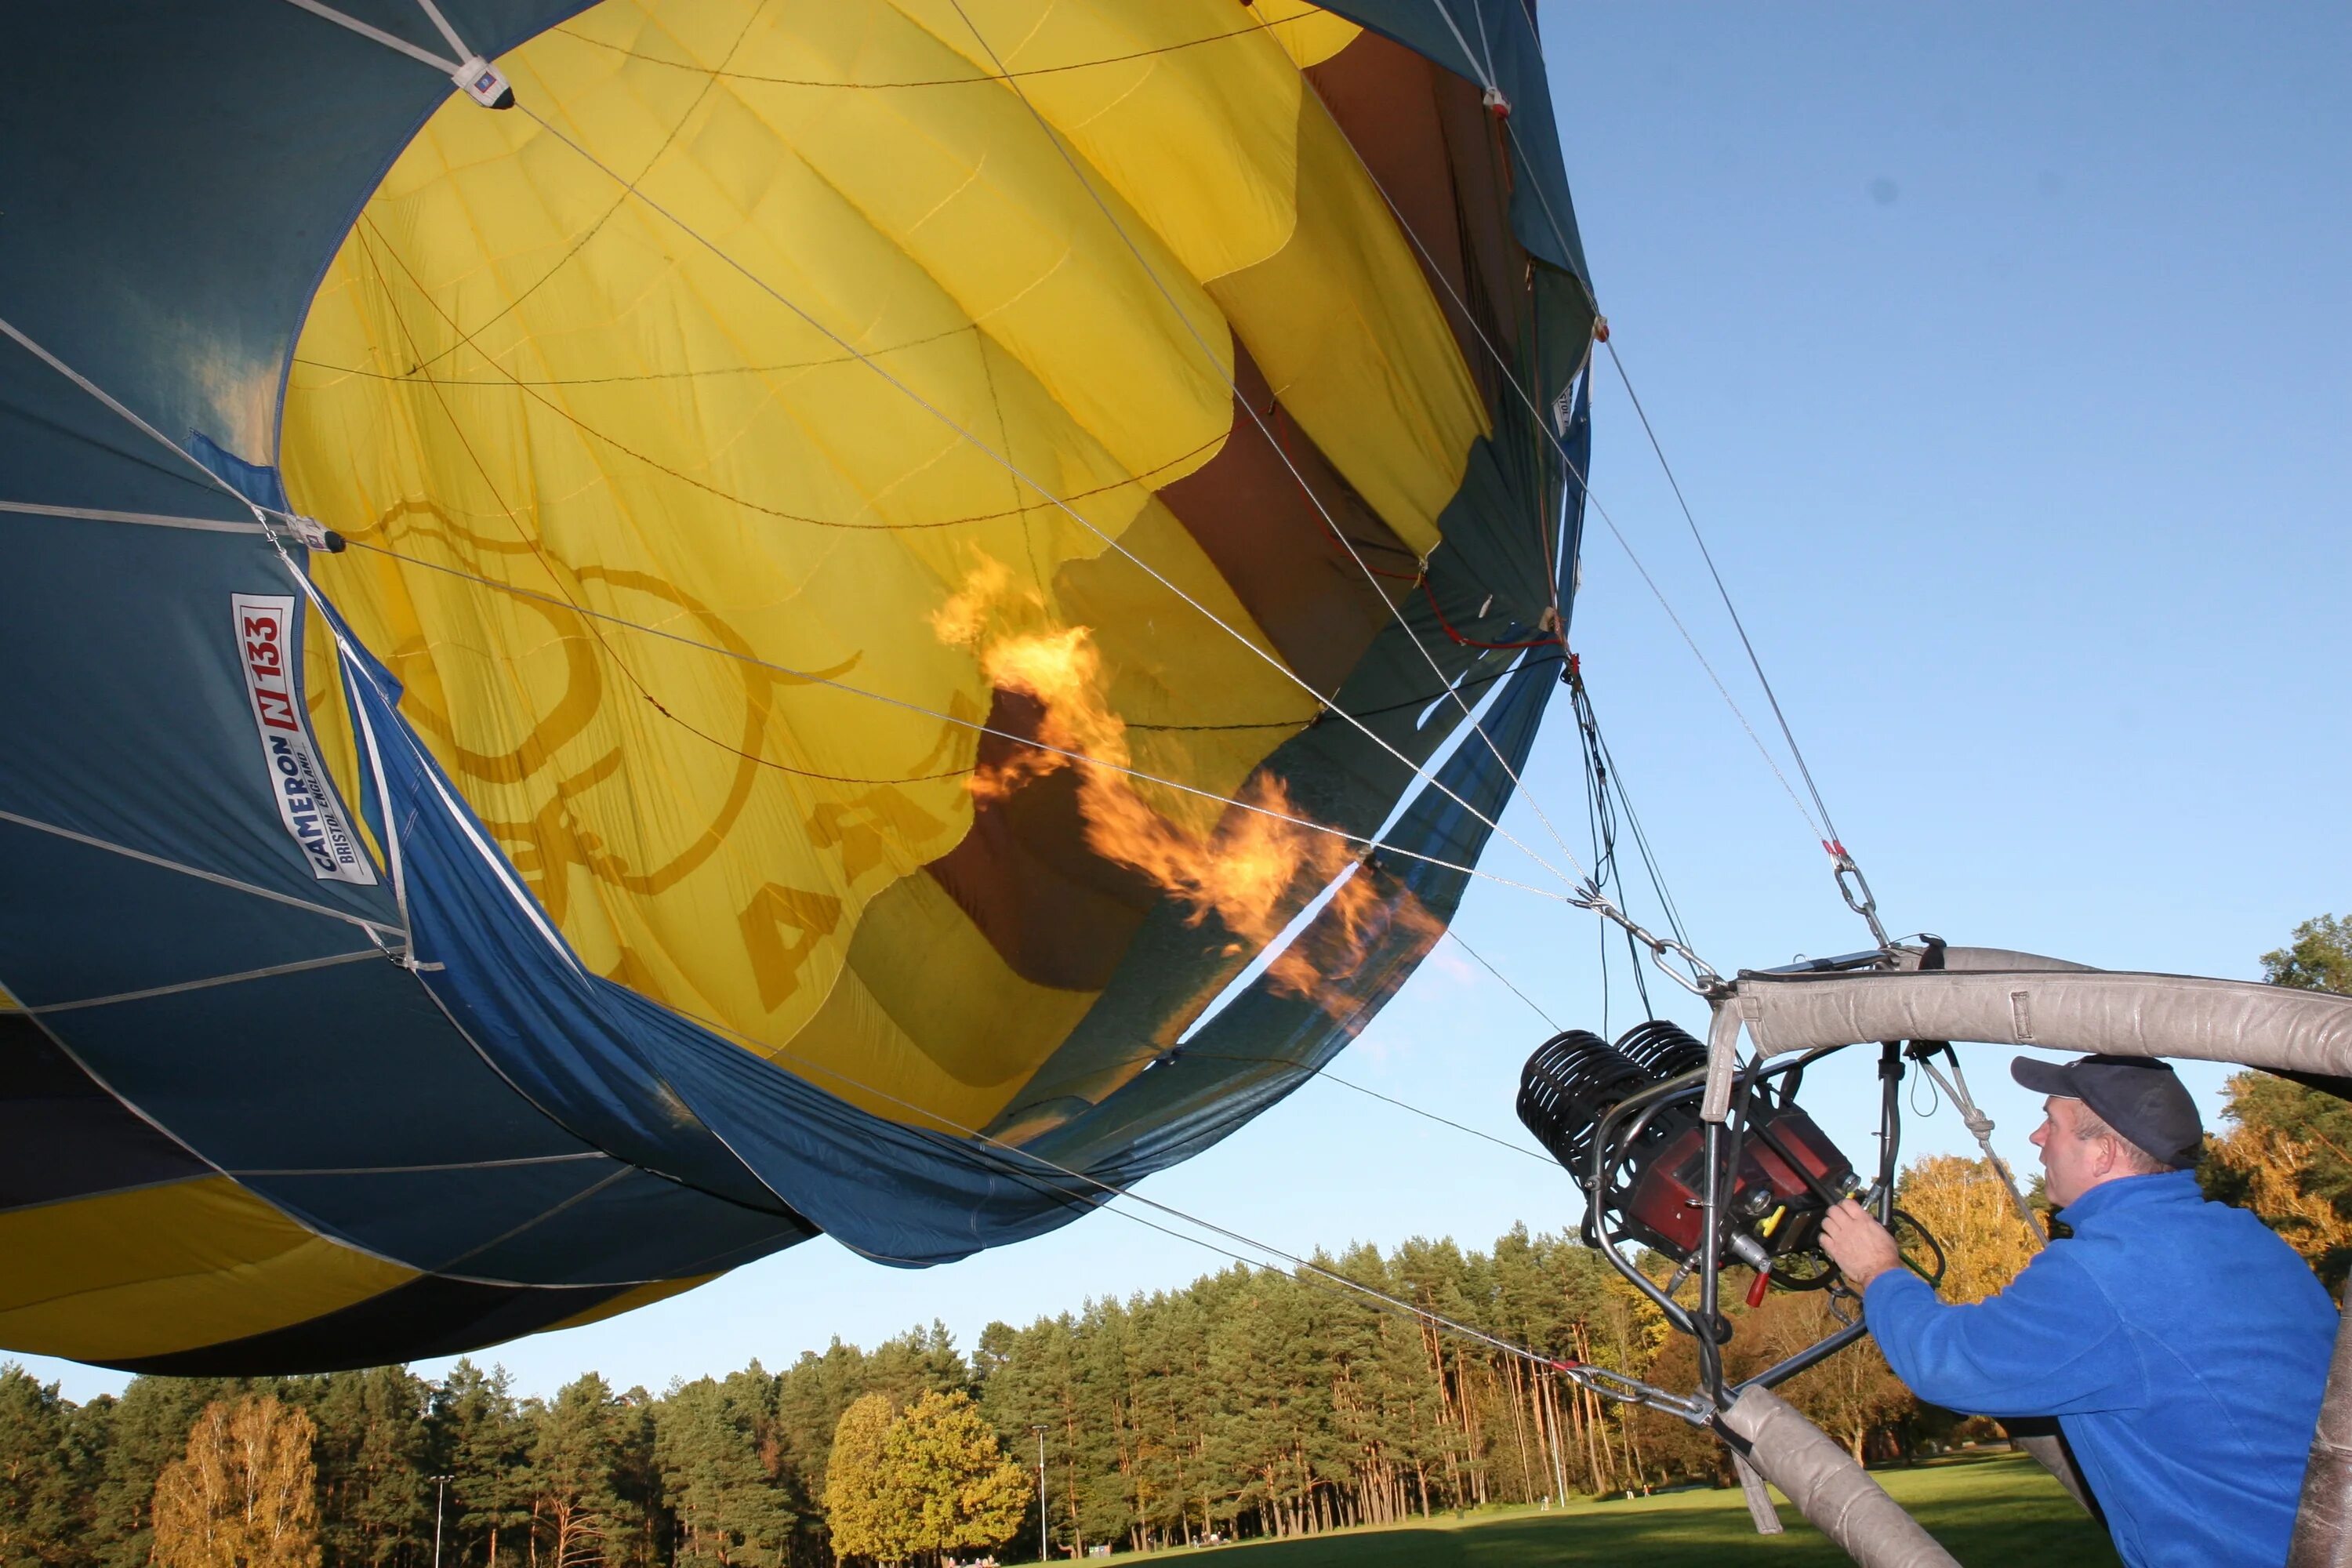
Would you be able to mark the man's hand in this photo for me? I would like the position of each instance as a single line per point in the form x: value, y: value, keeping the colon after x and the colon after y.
x: 1858, y: 1245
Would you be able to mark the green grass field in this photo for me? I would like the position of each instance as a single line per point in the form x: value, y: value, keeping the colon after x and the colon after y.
x: 1990, y: 1510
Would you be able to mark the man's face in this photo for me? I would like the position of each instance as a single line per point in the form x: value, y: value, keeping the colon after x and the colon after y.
x: 2071, y: 1165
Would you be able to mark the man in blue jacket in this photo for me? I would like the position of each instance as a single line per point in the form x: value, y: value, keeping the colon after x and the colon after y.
x: 2182, y: 1345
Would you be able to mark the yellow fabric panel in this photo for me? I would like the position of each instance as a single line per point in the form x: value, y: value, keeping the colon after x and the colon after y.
x: 1222, y: 152
x: 1159, y: 666
x: 1196, y: 140
x: 1351, y: 339
x: 629, y: 1300
x: 165, y: 1268
x: 515, y: 373
x: 927, y: 1014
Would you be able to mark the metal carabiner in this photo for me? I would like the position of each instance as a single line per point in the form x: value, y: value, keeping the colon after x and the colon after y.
x: 1856, y: 892
x: 1702, y: 981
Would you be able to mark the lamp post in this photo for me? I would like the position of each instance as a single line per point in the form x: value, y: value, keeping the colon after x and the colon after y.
x: 1038, y: 1427
x: 440, y: 1496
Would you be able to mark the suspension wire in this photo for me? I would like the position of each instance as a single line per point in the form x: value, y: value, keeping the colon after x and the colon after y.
x: 721, y: 71
x: 1324, y: 1075
x: 1558, y: 632
x: 122, y: 411
x: 1510, y: 375
x: 1506, y: 979
x: 1011, y: 1160
x: 966, y: 434
x: 1510, y: 378
x: 1979, y: 1127
x: 1857, y: 895
x: 1723, y: 592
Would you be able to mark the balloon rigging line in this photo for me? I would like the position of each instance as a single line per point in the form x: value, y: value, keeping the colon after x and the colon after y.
x: 813, y: 678
x: 123, y: 411
x: 1510, y: 376
x: 1271, y: 660
x: 1007, y: 1161
x: 1559, y: 631
x: 628, y: 187
x: 1730, y: 609
x: 527, y: 535
x: 720, y: 71
x: 1857, y: 898
x: 376, y: 929
x: 1310, y: 1072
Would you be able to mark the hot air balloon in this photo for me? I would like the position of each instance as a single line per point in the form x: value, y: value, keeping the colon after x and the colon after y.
x: 638, y: 631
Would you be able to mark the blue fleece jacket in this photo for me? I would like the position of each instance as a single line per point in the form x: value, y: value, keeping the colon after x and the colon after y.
x: 2182, y: 1346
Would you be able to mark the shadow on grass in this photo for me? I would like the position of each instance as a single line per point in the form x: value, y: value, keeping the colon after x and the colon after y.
x: 1994, y: 1512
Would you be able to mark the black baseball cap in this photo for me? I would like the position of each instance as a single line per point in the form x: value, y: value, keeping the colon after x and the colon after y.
x: 2139, y: 1096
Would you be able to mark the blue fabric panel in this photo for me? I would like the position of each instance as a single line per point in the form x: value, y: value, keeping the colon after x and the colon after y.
x: 177, y: 180
x: 125, y: 708
x: 636, y: 1226
x: 63, y: 1136
x: 257, y: 482
x: 327, y: 1069
x: 77, y: 922
x: 431, y: 1219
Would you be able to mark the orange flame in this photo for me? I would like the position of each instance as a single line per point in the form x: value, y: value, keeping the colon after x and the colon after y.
x: 1253, y: 871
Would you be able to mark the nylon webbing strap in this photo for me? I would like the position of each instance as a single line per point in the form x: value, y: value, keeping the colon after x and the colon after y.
x: 150, y: 519
x: 483, y: 81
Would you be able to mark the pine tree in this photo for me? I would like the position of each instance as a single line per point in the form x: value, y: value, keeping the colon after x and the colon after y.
x: 730, y: 1508
x: 585, y: 1511
x: 481, y: 1439
x: 374, y: 1453
x: 38, y: 1494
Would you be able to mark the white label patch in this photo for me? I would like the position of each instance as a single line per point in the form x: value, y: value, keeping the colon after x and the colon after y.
x: 306, y: 798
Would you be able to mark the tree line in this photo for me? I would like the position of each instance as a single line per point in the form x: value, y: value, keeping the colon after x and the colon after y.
x: 1250, y: 1403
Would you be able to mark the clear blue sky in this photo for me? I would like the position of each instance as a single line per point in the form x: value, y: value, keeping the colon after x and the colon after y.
x: 2003, y: 350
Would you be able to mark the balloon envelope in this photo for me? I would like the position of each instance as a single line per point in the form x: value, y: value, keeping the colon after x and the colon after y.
x: 890, y: 558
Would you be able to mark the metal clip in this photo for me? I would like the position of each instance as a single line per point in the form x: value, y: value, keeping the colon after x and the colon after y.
x: 1697, y: 977
x: 1855, y: 888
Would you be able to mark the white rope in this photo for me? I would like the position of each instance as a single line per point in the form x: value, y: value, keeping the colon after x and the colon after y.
x: 1979, y: 1127
x: 481, y: 81
x: 1271, y: 660
x: 1209, y: 352
x: 124, y: 412
x: 447, y: 32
